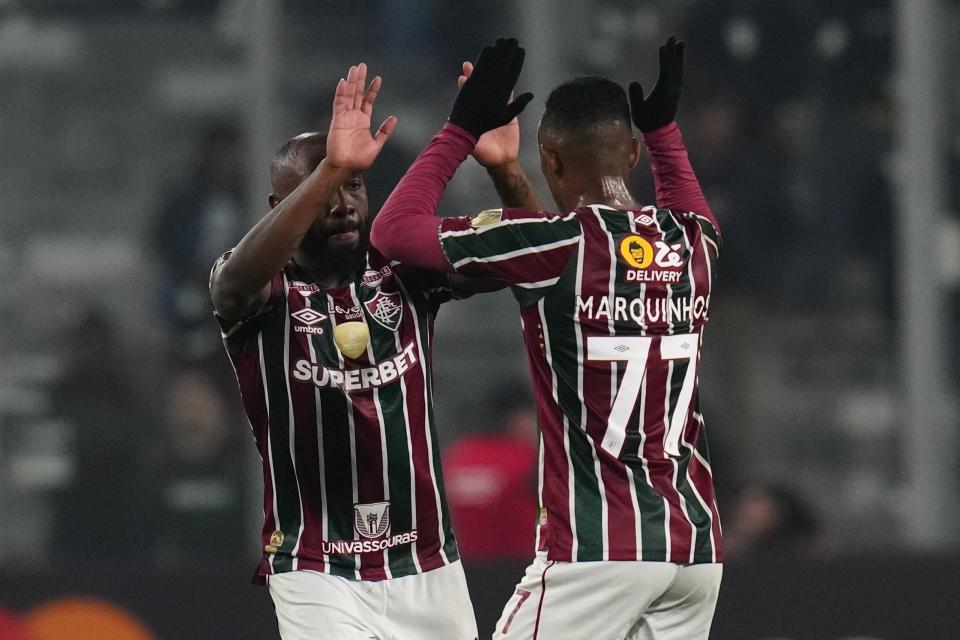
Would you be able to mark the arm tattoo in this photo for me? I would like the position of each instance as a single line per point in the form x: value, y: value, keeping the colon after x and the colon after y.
x: 513, y: 190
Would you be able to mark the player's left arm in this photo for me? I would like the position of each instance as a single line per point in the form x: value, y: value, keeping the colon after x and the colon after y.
x: 406, y: 229
x: 675, y: 182
x: 498, y: 151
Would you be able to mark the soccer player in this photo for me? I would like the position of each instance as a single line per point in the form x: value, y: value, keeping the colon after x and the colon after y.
x: 613, y: 298
x: 331, y: 344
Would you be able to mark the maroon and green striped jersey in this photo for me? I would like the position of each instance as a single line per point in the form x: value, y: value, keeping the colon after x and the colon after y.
x: 351, y: 468
x: 613, y: 307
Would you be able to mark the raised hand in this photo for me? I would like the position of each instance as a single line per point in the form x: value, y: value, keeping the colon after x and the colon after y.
x: 660, y: 107
x: 350, y: 144
x: 483, y: 103
x: 497, y: 147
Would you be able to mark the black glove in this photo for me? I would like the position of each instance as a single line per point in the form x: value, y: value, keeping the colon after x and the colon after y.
x: 482, y: 104
x: 660, y: 107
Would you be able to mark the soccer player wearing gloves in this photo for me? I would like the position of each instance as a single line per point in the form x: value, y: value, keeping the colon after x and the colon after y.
x: 613, y: 297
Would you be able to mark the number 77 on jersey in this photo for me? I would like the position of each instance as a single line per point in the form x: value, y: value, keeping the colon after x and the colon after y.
x: 635, y: 351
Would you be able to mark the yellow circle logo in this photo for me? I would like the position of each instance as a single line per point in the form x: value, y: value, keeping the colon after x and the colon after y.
x: 636, y: 251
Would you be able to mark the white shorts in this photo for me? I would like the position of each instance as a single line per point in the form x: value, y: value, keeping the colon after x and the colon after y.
x: 611, y: 601
x: 428, y: 606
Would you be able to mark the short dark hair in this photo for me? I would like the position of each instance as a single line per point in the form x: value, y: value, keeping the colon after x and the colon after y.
x: 309, y: 148
x: 581, y: 103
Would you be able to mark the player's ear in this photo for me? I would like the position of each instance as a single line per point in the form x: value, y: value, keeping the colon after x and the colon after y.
x: 273, y: 200
x: 550, y: 162
x: 634, y: 152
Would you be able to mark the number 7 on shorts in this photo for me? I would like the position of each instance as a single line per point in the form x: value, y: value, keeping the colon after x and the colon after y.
x: 524, y: 594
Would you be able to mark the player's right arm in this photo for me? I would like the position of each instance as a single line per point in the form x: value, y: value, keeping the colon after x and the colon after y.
x: 240, y: 285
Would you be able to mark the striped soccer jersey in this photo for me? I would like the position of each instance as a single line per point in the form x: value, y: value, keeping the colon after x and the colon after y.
x: 613, y: 306
x: 351, y: 468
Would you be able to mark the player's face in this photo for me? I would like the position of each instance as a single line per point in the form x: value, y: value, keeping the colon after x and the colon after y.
x: 344, y: 230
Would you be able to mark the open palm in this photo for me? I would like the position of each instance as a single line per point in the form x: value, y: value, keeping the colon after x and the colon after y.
x: 350, y: 143
x: 498, y: 146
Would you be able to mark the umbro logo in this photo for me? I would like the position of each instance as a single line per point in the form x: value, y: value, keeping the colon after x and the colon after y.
x: 308, y: 317
x: 644, y: 217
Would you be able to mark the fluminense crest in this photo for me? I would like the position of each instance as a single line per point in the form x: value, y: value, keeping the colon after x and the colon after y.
x: 386, y: 309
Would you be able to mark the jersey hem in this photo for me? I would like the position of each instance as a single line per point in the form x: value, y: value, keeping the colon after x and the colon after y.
x: 657, y: 555
x: 349, y: 572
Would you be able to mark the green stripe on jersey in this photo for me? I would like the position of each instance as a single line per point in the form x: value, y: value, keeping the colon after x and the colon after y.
x: 285, y: 489
x: 424, y: 327
x: 704, y: 551
x: 673, y: 233
x: 338, y: 476
x: 508, y: 236
x: 696, y: 513
x: 385, y: 345
x: 392, y: 401
x: 652, y: 512
x: 587, y: 512
x: 338, y: 472
x: 708, y: 230
x: 450, y: 549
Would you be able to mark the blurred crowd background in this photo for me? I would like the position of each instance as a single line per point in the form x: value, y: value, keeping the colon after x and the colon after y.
x: 137, y: 136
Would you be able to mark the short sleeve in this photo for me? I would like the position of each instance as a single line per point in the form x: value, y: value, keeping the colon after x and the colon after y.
x: 525, y: 248
x: 710, y: 231
x: 236, y: 332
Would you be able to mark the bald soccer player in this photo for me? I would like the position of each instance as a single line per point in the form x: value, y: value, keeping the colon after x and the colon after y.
x: 331, y: 344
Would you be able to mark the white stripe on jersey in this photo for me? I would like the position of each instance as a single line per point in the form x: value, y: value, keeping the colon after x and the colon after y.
x: 351, y: 428
x: 706, y: 507
x: 413, y: 475
x: 273, y: 476
x: 704, y: 239
x: 517, y: 252
x: 716, y: 249
x: 666, y: 415
x: 571, y: 507
x: 291, y: 425
x: 676, y: 464
x: 711, y: 508
x: 322, y: 469
x: 682, y: 401
x: 426, y: 408
x: 604, y: 507
x: 380, y: 422
x: 634, y: 498
x: 641, y: 426
x: 510, y: 221
x: 540, y: 283
x: 536, y: 540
